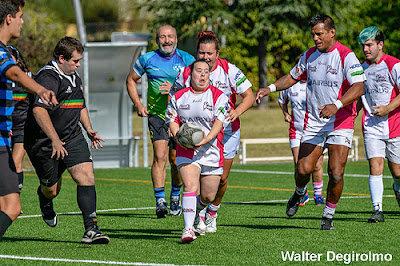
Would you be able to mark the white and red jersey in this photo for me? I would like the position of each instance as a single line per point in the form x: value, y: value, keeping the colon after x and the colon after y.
x: 202, y: 109
x: 329, y: 76
x: 381, y: 87
x: 226, y: 77
x: 296, y: 95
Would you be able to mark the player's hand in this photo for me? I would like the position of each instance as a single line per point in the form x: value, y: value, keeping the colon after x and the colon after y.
x: 48, y: 97
x: 288, y: 117
x: 95, y: 139
x: 59, y: 152
x: 262, y: 92
x: 142, y: 111
x: 165, y: 87
x: 380, y: 110
x: 233, y: 114
x: 202, y: 142
x: 327, y: 111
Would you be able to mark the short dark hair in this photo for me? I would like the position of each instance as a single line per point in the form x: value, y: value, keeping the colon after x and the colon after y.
x: 198, y: 61
x: 327, y: 20
x: 9, y: 7
x: 66, y: 46
x: 207, y: 36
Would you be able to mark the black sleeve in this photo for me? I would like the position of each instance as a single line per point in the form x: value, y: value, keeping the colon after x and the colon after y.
x: 51, y: 82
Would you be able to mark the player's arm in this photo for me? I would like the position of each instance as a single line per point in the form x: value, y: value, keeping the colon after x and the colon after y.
x: 247, y: 102
x: 216, y: 128
x: 131, y: 82
x: 174, y: 128
x: 17, y: 75
x: 283, y: 83
x: 354, y: 92
x: 87, y: 125
x: 285, y: 110
x: 43, y: 119
x: 385, y: 109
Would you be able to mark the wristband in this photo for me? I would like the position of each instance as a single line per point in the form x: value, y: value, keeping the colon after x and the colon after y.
x: 272, y: 88
x: 338, y: 104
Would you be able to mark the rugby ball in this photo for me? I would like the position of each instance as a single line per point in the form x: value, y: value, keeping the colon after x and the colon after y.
x: 189, y: 135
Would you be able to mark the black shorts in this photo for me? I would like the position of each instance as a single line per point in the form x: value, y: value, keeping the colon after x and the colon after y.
x: 17, y: 139
x: 8, y: 173
x: 158, y: 128
x: 49, y: 170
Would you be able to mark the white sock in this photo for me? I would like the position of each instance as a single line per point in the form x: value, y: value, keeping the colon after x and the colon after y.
x: 396, y: 184
x: 189, y: 208
x: 328, y: 212
x: 200, y: 207
x: 301, y: 190
x: 376, y: 190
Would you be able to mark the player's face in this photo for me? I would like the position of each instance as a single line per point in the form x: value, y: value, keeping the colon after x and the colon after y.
x: 324, y: 39
x: 373, y: 51
x: 208, y: 51
x: 167, y: 40
x: 16, y: 23
x: 200, y: 76
x: 70, y: 66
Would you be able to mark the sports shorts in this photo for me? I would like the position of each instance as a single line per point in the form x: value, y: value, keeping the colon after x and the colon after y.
x: 8, y: 173
x: 49, y: 170
x: 158, y: 128
x: 336, y: 137
x: 231, y: 144
x: 389, y: 148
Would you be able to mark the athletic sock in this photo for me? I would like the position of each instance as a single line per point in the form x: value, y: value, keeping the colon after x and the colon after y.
x: 200, y: 206
x: 159, y: 193
x: 212, y: 209
x: 189, y: 208
x: 301, y: 190
x: 5, y: 222
x: 175, y: 191
x: 45, y: 203
x: 86, y: 197
x: 396, y: 184
x: 202, y: 213
x: 329, y: 210
x: 318, y: 187
x: 20, y: 180
x: 376, y: 190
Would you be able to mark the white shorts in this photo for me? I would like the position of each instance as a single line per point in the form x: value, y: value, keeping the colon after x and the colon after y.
x: 205, y: 169
x: 389, y: 148
x: 294, y: 143
x: 231, y: 144
x: 336, y: 137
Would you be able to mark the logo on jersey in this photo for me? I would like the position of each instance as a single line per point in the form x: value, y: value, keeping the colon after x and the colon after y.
x: 220, y: 85
x: 357, y: 73
x: 184, y: 106
x: 69, y: 90
x: 355, y: 65
x: 312, y: 68
x: 197, y: 101
x: 380, y: 78
x: 207, y: 106
x: 325, y: 83
x: 177, y: 67
x: 330, y: 69
x: 238, y: 75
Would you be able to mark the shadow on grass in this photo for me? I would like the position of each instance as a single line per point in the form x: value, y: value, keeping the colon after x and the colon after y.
x: 268, y: 227
x: 130, y: 215
x: 31, y: 239
x: 149, y: 234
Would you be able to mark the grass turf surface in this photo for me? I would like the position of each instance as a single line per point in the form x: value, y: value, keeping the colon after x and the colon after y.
x: 252, y: 225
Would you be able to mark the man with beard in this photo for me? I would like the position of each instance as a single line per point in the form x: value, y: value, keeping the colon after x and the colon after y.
x: 161, y: 66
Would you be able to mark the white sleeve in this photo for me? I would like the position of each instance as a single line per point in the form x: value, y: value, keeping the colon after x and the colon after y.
x: 282, y: 97
x: 221, y: 109
x: 299, y: 68
x: 353, y: 69
x: 396, y: 74
x: 238, y: 80
x: 179, y: 83
x: 171, y: 113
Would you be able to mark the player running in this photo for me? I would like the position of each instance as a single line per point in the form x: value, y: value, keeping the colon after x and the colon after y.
x: 381, y: 118
x: 335, y: 79
x: 205, y: 105
x: 296, y: 95
x: 231, y: 81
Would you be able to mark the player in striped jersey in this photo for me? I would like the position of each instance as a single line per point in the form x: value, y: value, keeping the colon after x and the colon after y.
x: 381, y: 118
x: 201, y: 167
x: 335, y: 79
x: 55, y: 143
x: 21, y: 104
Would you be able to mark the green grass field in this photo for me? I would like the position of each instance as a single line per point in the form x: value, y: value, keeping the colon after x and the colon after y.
x: 252, y: 226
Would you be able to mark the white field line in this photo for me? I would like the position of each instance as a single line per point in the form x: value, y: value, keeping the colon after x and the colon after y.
x: 227, y: 203
x: 291, y: 173
x: 83, y: 261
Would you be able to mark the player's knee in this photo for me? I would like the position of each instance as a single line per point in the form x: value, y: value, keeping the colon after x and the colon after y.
x: 336, y: 178
x: 304, y: 169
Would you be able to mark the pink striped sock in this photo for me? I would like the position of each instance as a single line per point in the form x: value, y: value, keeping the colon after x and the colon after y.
x: 318, y: 187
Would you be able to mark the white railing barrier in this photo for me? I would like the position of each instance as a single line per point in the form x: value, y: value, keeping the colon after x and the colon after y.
x: 353, y: 155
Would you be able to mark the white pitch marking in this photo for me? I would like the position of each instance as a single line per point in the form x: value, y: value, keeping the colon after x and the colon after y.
x: 85, y: 261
